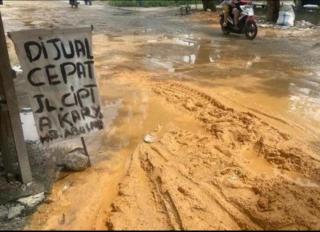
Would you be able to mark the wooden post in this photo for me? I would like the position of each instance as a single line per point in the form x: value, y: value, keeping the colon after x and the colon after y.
x: 85, y: 150
x: 6, y: 79
x: 7, y: 146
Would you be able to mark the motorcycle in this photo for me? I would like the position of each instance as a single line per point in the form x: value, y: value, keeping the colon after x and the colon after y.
x: 247, y: 23
x: 74, y: 3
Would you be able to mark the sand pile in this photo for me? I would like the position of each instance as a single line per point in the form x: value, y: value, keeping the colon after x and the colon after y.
x: 241, y: 173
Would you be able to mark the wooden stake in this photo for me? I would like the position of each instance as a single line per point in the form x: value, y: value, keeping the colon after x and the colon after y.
x: 85, y: 150
x: 6, y: 79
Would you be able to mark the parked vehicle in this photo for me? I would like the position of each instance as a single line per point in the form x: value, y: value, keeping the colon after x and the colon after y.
x: 310, y: 2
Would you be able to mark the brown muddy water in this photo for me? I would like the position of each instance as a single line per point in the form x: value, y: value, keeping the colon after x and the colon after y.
x: 138, y: 51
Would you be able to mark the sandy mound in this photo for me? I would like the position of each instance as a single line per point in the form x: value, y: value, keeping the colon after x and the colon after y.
x: 241, y: 174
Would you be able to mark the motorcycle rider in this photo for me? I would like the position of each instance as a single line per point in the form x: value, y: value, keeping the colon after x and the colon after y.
x: 73, y: 3
x: 234, y: 6
x: 246, y: 22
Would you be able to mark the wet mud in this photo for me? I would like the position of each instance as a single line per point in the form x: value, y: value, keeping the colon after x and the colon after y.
x: 241, y: 171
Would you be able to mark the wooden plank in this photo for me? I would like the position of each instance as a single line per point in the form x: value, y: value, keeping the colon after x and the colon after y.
x: 7, y: 146
x: 12, y: 104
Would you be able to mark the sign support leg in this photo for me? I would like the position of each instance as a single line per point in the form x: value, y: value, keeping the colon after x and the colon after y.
x: 85, y: 150
x: 10, y: 99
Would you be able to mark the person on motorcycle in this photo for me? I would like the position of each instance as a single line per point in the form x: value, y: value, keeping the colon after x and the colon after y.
x: 234, y: 7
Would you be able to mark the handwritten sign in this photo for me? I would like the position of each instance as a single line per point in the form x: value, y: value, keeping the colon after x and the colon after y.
x: 59, y: 69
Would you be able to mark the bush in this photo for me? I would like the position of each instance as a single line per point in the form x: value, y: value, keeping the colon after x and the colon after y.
x: 152, y: 3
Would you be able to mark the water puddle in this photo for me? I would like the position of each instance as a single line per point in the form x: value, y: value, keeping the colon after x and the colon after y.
x: 305, y: 96
x: 172, y: 53
x: 123, y: 13
x: 253, y: 72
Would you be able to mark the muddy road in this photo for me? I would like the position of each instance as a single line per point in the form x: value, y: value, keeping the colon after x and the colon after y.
x: 237, y: 123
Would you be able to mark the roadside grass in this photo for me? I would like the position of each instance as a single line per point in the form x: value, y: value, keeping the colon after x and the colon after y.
x: 152, y: 3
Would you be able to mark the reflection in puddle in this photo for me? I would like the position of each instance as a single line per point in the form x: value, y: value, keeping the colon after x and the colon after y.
x: 185, y: 42
x: 305, y: 101
x: 171, y: 53
x: 157, y: 63
x: 305, y: 96
x: 190, y: 59
x: 152, y: 41
x: 251, y: 62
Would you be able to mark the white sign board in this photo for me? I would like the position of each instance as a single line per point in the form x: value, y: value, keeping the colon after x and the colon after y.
x: 58, y: 66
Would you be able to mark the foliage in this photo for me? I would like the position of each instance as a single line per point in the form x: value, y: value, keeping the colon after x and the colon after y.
x: 150, y: 3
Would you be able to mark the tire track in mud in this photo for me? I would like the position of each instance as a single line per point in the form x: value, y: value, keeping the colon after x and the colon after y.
x: 212, y: 192
x: 238, y: 129
x: 166, y: 199
x: 206, y: 181
x: 138, y: 201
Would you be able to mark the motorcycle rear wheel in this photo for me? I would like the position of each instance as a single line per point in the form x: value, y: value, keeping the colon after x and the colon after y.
x: 251, y: 30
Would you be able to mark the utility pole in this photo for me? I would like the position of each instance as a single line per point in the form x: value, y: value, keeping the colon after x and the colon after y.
x: 12, y: 144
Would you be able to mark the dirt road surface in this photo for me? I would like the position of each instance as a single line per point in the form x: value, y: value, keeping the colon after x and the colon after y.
x: 236, y: 123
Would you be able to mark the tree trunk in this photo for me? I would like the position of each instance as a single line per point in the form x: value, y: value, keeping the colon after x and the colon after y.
x: 298, y: 4
x: 273, y: 10
x: 209, y: 4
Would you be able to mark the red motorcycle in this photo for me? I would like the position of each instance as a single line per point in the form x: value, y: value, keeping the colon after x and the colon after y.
x: 247, y: 23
